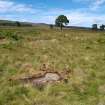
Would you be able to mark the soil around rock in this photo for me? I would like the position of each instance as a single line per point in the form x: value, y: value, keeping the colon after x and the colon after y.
x: 44, y: 78
x: 47, y: 78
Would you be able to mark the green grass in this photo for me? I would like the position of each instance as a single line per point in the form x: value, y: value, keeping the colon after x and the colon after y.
x: 80, y: 50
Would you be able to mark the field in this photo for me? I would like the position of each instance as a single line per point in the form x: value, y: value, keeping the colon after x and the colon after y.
x: 23, y: 50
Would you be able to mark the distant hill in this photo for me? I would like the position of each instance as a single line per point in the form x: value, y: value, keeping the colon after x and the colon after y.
x: 77, y: 27
x: 17, y: 23
x: 39, y: 24
x: 14, y: 23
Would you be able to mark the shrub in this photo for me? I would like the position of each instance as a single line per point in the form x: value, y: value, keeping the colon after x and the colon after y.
x: 102, y: 27
x: 10, y: 35
x: 51, y: 26
x: 94, y: 27
x: 2, y: 36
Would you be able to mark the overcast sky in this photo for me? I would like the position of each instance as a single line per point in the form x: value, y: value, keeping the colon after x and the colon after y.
x: 79, y: 12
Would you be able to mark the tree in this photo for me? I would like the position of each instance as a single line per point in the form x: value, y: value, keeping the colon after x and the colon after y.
x: 18, y: 24
x: 94, y: 27
x: 51, y: 26
x: 102, y: 27
x: 61, y: 21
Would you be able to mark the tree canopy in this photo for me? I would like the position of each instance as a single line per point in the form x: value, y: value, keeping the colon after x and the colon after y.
x: 94, y: 27
x: 61, y: 21
x: 102, y: 27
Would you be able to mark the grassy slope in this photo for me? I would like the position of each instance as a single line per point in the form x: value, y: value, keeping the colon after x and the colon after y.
x: 82, y: 51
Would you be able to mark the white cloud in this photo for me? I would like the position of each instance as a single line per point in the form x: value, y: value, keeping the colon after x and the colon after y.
x: 77, y: 18
x: 10, y: 6
x: 97, y: 4
x: 80, y: 17
x: 93, y: 4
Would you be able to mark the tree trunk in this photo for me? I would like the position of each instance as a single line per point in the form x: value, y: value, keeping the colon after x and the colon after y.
x: 61, y: 26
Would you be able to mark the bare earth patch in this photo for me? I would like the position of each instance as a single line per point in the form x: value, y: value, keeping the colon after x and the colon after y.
x: 44, y: 77
x: 4, y: 41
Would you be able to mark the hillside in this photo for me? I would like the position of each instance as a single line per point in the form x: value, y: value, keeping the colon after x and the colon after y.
x: 24, y: 50
x: 13, y: 23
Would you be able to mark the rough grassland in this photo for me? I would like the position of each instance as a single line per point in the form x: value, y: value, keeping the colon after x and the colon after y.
x: 80, y: 50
